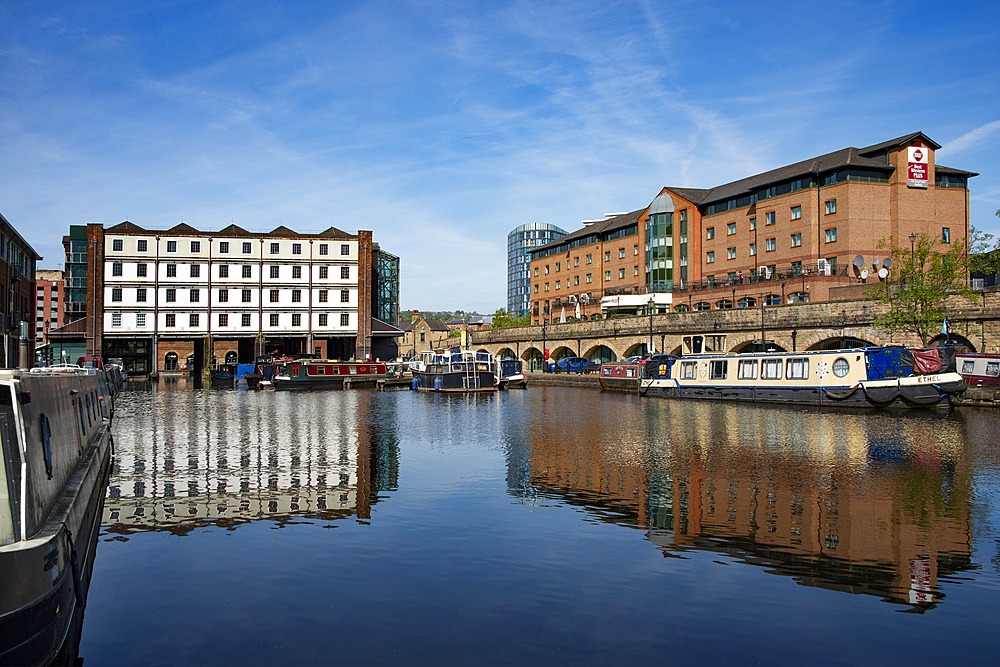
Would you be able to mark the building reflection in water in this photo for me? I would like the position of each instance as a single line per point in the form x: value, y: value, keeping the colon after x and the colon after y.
x: 224, y: 458
x: 875, y: 503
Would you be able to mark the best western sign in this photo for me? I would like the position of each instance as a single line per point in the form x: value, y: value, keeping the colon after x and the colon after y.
x: 916, y: 166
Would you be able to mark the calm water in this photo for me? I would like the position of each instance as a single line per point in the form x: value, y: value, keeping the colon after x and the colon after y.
x: 555, y: 526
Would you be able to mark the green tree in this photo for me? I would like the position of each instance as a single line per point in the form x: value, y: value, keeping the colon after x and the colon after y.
x: 925, y: 278
x: 504, y: 320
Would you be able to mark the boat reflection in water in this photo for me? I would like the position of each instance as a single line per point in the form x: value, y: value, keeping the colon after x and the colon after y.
x: 248, y: 456
x: 869, y: 503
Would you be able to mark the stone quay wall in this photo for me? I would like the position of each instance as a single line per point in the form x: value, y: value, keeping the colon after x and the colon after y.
x: 975, y: 323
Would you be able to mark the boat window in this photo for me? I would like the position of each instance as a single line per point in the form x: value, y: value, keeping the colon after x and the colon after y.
x: 689, y: 370
x: 841, y: 367
x: 321, y: 370
x: 993, y: 368
x: 748, y: 369
x: 797, y: 369
x: 771, y: 369
x: 719, y: 369
x: 967, y: 367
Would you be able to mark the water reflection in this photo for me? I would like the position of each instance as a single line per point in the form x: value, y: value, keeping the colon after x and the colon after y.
x: 187, y: 458
x: 866, y: 502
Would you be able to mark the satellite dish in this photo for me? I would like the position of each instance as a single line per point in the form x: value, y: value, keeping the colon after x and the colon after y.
x: 864, y: 274
x: 883, y: 272
x: 887, y: 262
x: 859, y: 261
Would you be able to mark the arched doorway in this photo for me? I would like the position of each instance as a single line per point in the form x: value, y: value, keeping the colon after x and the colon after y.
x: 232, y: 357
x: 170, y: 361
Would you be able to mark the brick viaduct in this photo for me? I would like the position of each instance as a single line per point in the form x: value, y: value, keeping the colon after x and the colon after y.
x: 809, y: 326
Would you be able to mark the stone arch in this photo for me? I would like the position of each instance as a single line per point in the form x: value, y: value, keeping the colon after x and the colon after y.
x: 561, y: 352
x: 841, y: 343
x: 532, y: 358
x: 957, y: 340
x: 752, y: 344
x: 506, y: 353
x: 601, y: 353
x: 482, y: 349
x: 639, y: 349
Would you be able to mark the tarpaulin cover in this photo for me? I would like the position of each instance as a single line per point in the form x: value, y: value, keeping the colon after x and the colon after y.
x: 926, y: 361
x: 933, y: 360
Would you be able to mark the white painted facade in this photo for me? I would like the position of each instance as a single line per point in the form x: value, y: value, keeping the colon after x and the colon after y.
x: 176, y: 285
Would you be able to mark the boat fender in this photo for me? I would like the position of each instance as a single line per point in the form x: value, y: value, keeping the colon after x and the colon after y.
x: 840, y: 397
x: 415, y: 384
x: 437, y: 384
x: 74, y: 564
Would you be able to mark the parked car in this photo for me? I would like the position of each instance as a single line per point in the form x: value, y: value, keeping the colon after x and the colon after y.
x: 574, y: 365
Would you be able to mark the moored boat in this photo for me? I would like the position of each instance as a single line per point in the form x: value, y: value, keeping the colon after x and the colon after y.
x: 620, y: 375
x: 873, y: 376
x: 511, y: 375
x: 55, y: 437
x: 455, y: 370
x: 979, y: 370
x: 325, y: 374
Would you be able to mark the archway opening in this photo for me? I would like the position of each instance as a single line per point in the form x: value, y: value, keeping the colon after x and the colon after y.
x: 533, y: 359
x: 961, y: 343
x: 506, y: 353
x: 841, y: 343
x: 601, y: 354
x: 170, y: 361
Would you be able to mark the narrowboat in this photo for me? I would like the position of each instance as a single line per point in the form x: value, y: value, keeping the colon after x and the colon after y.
x: 620, y: 375
x: 455, y: 370
x: 872, y: 376
x: 980, y: 370
x: 325, y: 374
x: 55, y: 436
x: 511, y: 375
x: 222, y: 376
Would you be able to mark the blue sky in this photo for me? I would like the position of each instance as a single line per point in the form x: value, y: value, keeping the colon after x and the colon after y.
x: 443, y: 125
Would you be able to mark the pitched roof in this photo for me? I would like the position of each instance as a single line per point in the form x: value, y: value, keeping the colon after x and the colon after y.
x: 233, y: 230
x: 281, y: 230
x: 126, y: 227
x: 437, y: 325
x: 183, y: 228
x: 940, y: 168
x: 900, y: 141
x: 380, y: 328
x: 606, y: 225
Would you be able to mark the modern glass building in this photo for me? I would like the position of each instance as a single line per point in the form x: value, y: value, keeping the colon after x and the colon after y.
x: 519, y: 241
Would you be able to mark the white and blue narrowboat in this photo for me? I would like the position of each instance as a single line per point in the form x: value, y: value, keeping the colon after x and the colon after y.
x: 872, y: 376
x: 455, y: 370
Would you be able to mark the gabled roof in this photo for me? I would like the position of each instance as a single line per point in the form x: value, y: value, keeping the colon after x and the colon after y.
x: 437, y: 325
x: 693, y: 195
x: 900, y: 141
x: 183, y: 228
x: 333, y: 231
x: 282, y: 231
x: 126, y: 227
x: 233, y: 230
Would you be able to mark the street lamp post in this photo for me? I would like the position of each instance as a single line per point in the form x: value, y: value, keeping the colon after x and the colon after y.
x: 545, y: 362
x: 652, y: 302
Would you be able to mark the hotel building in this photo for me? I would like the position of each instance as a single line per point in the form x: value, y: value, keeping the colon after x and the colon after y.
x: 161, y: 300
x: 788, y: 235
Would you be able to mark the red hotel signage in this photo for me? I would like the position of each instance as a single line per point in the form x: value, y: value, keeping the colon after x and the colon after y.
x: 916, y: 166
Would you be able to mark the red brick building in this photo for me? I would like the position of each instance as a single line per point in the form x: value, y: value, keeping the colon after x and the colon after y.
x: 783, y: 236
